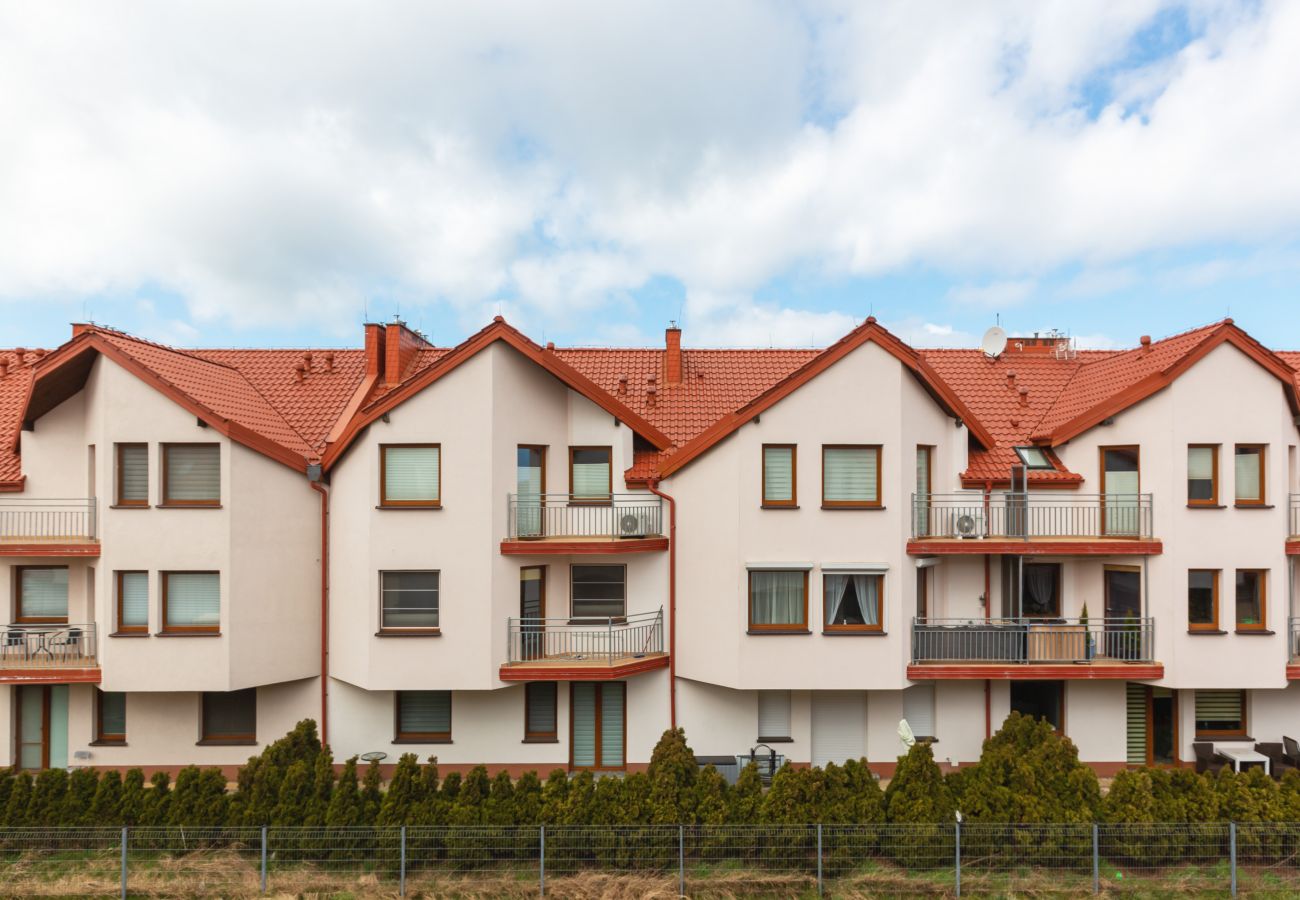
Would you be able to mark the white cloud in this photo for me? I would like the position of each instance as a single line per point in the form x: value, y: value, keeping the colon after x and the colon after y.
x: 270, y: 163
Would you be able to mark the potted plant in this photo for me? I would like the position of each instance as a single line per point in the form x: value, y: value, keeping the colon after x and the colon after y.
x: 1087, y: 634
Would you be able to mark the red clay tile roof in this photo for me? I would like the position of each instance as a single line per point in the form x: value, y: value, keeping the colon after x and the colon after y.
x: 13, y: 397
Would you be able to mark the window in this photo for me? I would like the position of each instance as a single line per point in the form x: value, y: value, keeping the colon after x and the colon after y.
x: 778, y: 601
x: 132, y: 602
x: 409, y: 601
x: 424, y: 716
x: 923, y: 592
x: 924, y: 486
x: 1202, y: 475
x: 851, y: 476
x: 110, y: 717
x: 590, y: 475
x: 1042, y: 598
x: 42, y: 594
x: 774, y: 716
x: 853, y: 602
x: 132, y: 475
x: 1042, y: 700
x: 918, y: 710
x: 1203, y: 600
x: 230, y: 717
x: 410, y: 475
x: 597, y: 716
x: 530, y: 491
x: 779, y: 479
x: 1249, y: 483
x: 539, y: 712
x: 191, y: 474
x: 1251, y: 613
x: 1220, y: 714
x: 1034, y: 458
x: 598, y: 592
x: 191, y: 602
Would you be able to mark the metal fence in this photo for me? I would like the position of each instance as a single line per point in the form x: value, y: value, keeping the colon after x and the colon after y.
x: 613, y: 516
x: 1020, y: 516
x: 1209, y: 859
x: 1097, y: 641
x: 593, y: 640
x: 36, y: 520
x: 47, y: 646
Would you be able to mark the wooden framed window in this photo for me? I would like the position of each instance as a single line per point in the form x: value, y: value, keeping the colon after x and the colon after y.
x: 924, y: 488
x: 132, y: 478
x: 1203, y: 600
x: 597, y: 725
x: 229, y: 717
x: 1042, y: 700
x: 774, y: 717
x: 851, y: 476
x: 1249, y: 474
x: 597, y: 591
x: 1042, y: 598
x: 410, y: 475
x: 110, y: 717
x: 191, y: 602
x: 539, y: 712
x: 1203, y: 475
x: 423, y: 716
x: 409, y: 602
x: 778, y: 600
x: 853, y: 602
x: 780, y: 479
x: 132, y: 602
x: 1251, y: 599
x: 591, y: 476
x: 923, y: 592
x: 41, y: 594
x: 191, y: 474
x: 1220, y: 714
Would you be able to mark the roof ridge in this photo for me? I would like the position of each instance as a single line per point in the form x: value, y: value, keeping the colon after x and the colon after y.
x: 157, y: 345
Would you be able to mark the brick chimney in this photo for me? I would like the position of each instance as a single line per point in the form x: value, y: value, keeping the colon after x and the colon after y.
x: 673, y: 355
x: 374, y: 349
x: 400, y: 344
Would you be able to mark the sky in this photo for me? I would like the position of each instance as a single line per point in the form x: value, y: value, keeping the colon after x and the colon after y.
x: 764, y: 173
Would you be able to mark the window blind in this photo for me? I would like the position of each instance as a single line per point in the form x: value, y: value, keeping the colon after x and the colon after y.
x: 230, y: 713
x: 1137, y: 724
x: 773, y: 715
x: 599, y: 591
x: 44, y: 594
x: 424, y: 712
x: 412, y: 474
x: 410, y: 599
x: 778, y: 474
x: 611, y: 725
x: 590, y: 473
x: 1200, y: 463
x: 1249, y: 461
x: 135, y: 599
x: 193, y: 599
x: 918, y: 709
x: 1218, y: 710
x: 193, y: 473
x: 584, y: 725
x: 112, y: 713
x: 923, y: 491
x: 133, y: 473
x: 539, y: 703
x: 849, y: 474
x: 777, y: 598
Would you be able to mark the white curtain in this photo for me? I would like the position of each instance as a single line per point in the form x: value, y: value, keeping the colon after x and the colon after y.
x: 843, y: 609
x: 867, y: 587
x: 777, y: 598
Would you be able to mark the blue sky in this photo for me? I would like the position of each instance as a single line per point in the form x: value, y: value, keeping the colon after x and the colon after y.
x: 764, y: 173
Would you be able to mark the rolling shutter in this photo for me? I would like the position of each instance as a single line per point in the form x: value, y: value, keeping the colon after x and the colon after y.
x: 773, y: 715
x: 193, y: 473
x: 412, y: 474
x: 1137, y: 725
x: 133, y: 474
x: 43, y: 594
x: 849, y: 474
x: 839, y: 726
x: 135, y: 599
x: 590, y: 473
x: 425, y: 712
x: 918, y: 709
x: 778, y: 474
x: 193, y: 598
x: 539, y: 697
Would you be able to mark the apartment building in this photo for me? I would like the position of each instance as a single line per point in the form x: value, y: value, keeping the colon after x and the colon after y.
x: 535, y: 557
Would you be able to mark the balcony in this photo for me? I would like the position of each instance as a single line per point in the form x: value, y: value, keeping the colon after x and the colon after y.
x: 48, y: 654
x: 560, y: 523
x: 1033, y: 649
x: 1293, y: 526
x: 1293, y: 649
x: 1057, y: 524
x: 41, y: 527
x: 560, y: 649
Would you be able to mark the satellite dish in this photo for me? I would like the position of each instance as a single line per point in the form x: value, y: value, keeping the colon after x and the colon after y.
x: 994, y: 341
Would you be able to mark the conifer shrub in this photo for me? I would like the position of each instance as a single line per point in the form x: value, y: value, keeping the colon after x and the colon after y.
x: 133, y: 797
x: 672, y: 772
x: 18, y: 809
x: 48, y: 793
x: 345, y: 809
x: 918, y: 795
x: 1250, y: 798
x: 528, y: 799
x: 157, y: 801
x: 82, y: 784
x: 106, y: 807
x: 1130, y: 802
x: 199, y: 799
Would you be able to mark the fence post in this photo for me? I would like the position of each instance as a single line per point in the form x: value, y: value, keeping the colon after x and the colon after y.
x: 124, y: 833
x: 1096, y: 862
x: 1232, y: 854
x: 681, y: 861
x: 819, y: 859
x: 541, y: 859
x: 956, y: 830
x: 401, y: 872
x: 263, y: 859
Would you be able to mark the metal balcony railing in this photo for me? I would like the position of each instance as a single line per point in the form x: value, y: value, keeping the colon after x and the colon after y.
x: 54, y: 646
x: 31, y: 520
x: 1019, y: 516
x: 1293, y: 521
x: 594, y: 641
x: 538, y: 516
x: 1029, y: 641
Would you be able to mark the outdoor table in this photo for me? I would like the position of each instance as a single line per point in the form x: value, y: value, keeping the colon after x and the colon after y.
x: 1240, y: 756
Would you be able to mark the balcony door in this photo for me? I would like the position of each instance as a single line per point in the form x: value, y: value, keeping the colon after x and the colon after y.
x: 1123, y: 597
x: 532, y: 611
x: 597, y: 715
x: 41, y: 736
x: 1120, y: 513
x: 530, y: 486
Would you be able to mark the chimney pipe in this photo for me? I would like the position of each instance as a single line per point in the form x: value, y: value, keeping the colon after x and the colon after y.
x: 329, y: 362
x: 1011, y: 379
x: 673, y: 355
x: 375, y: 335
x: 1024, y: 396
x: 300, y: 371
x: 1145, y: 341
x: 622, y: 384
x: 4, y: 367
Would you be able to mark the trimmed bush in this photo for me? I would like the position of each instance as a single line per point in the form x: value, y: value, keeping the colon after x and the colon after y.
x: 918, y: 795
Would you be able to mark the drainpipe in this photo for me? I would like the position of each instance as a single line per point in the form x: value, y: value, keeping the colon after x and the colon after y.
x: 988, y: 615
x: 653, y: 485
x: 321, y: 489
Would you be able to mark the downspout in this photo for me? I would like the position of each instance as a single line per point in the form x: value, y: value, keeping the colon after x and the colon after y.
x: 988, y: 684
x: 321, y: 489
x: 672, y: 600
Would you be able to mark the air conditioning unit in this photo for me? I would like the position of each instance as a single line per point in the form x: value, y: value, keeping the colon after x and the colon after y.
x: 632, y: 525
x: 969, y: 524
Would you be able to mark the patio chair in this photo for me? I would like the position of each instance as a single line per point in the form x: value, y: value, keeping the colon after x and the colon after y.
x: 1291, y: 750
x: 1278, y: 765
x: 1207, y: 760
x: 64, y: 644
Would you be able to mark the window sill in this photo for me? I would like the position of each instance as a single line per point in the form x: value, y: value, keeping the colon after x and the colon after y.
x: 415, y: 507
x: 540, y: 741
x: 1206, y: 631
x: 188, y: 634
x: 186, y: 506
x: 421, y: 741
x: 220, y: 742
x: 852, y: 508
x: 1253, y: 505
x: 107, y: 744
x: 863, y: 633
x: 414, y: 632
x: 763, y: 631
x: 1206, y: 506
x: 1263, y: 631
x: 775, y: 740
x: 1225, y: 739
x: 130, y: 506
x: 130, y: 634
x: 778, y: 506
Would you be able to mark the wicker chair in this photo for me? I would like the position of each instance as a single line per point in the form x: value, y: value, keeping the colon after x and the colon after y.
x: 1278, y: 764
x: 1291, y: 750
x: 1206, y: 759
